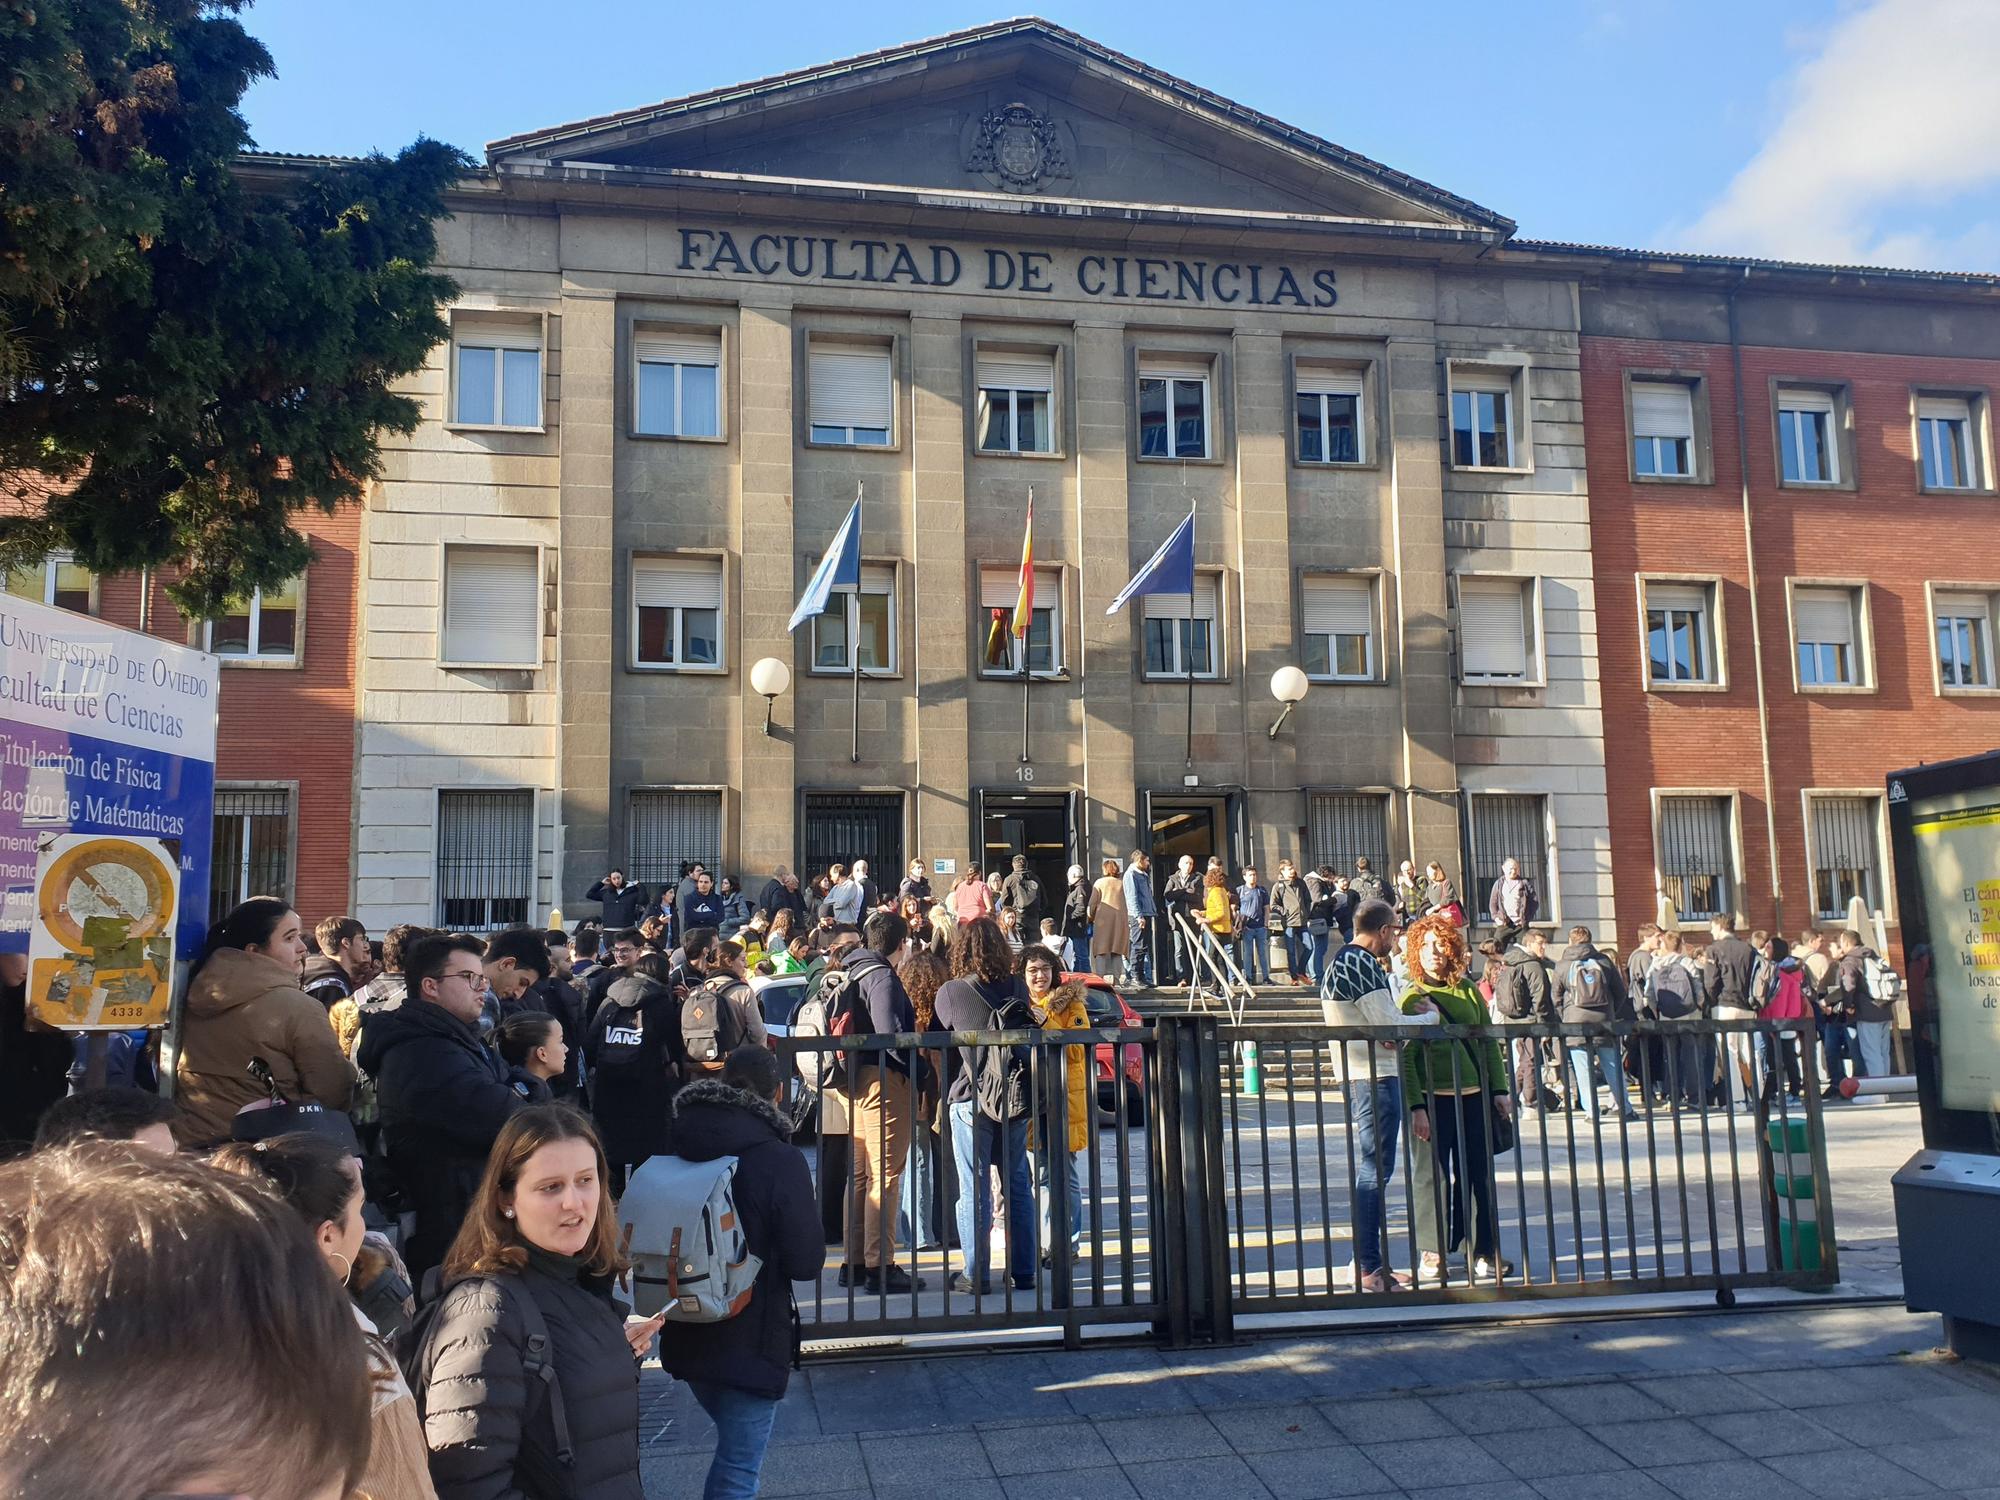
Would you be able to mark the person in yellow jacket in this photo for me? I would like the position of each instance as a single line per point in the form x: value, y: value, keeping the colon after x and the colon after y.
x: 1218, y: 915
x: 1060, y: 1008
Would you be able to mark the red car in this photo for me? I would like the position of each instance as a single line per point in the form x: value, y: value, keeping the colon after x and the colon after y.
x: 1108, y: 1009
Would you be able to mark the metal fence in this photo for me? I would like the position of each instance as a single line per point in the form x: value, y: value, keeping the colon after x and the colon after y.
x: 1229, y: 1171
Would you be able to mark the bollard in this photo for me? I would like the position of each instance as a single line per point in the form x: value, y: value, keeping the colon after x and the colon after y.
x: 1792, y: 1185
x: 1253, y: 1071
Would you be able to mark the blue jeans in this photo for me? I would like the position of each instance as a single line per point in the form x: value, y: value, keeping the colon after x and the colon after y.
x: 1139, y: 957
x: 1076, y: 954
x: 916, y: 1222
x: 1044, y: 1168
x: 1609, y: 1063
x: 976, y: 1141
x: 1377, y: 1114
x: 1254, y: 954
x: 1873, y: 1037
x: 1316, y: 964
x: 742, y: 1433
x: 1296, y: 949
x: 1837, y: 1040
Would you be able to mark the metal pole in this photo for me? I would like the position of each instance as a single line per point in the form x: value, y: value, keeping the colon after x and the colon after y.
x: 1190, y: 684
x: 1027, y: 635
x: 854, y: 639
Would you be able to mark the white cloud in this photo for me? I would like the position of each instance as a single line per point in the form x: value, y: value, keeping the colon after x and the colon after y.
x: 1899, y: 108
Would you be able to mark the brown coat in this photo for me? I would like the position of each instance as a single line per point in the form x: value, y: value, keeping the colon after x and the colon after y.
x: 244, y: 1005
x: 1108, y: 937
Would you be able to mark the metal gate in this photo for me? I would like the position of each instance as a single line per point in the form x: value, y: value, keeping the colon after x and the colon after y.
x: 841, y: 827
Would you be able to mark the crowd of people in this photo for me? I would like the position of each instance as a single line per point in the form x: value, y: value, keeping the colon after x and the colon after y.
x: 400, y: 1161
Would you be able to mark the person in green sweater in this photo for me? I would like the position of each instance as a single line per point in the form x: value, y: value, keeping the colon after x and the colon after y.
x: 1461, y: 1084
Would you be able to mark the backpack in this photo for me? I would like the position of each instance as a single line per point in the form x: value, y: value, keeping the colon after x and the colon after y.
x: 829, y: 1009
x: 1585, y: 984
x: 681, y: 1227
x: 1511, y: 994
x: 1884, y: 987
x: 1788, y: 998
x: 1028, y: 893
x: 1672, y: 990
x: 621, y: 1048
x: 710, y: 1027
x: 537, y: 1357
x: 1000, y: 1088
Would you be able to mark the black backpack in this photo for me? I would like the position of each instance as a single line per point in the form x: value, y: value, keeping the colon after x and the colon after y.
x: 621, y: 1046
x: 1511, y: 994
x: 710, y: 1027
x: 537, y: 1356
x: 1000, y: 1087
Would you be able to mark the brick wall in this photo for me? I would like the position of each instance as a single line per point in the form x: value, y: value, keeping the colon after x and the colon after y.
x: 1884, y: 530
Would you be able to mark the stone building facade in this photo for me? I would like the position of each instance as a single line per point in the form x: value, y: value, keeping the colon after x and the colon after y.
x: 943, y: 277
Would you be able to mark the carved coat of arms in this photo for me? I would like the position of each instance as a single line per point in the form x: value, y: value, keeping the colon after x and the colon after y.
x: 1017, y: 149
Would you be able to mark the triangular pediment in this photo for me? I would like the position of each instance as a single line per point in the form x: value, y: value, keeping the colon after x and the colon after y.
x: 1020, y: 109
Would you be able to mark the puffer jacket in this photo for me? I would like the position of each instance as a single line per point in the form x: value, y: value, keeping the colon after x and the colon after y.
x: 243, y: 1005
x: 774, y: 1193
x: 491, y: 1436
x: 632, y: 1081
x: 1069, y: 1010
x: 1529, y: 977
x: 1614, y: 1004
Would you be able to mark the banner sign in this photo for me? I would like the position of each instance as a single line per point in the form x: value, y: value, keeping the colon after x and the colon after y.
x: 107, y: 801
x: 1957, y: 844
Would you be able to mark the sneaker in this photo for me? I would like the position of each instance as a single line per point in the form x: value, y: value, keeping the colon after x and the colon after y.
x: 962, y: 1283
x: 850, y: 1276
x: 894, y: 1279
x: 1498, y: 1270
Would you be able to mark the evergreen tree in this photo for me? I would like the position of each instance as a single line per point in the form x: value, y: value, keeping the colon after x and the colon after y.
x: 192, y: 346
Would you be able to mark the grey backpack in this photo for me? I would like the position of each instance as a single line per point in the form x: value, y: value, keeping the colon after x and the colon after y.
x: 685, y: 1237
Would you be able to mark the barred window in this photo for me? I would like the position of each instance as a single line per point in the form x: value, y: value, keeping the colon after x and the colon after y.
x: 666, y: 829
x: 1509, y: 826
x: 1343, y: 826
x: 485, y: 859
x: 1845, y: 853
x: 252, y: 852
x: 1697, y: 864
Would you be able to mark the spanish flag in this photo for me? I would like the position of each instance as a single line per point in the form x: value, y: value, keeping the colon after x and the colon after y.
x: 1024, y: 605
x: 996, y: 639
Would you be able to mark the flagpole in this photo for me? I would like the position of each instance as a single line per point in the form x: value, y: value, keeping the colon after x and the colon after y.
x: 854, y: 749
x: 1190, y: 683
x: 1026, y: 675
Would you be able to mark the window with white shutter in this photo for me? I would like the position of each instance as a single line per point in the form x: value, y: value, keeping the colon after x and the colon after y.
x: 1826, y: 622
x: 1662, y: 429
x: 1965, y: 640
x: 1496, y: 631
x: 999, y: 591
x: 1696, y: 849
x: 1337, y: 621
x: 492, y: 607
x: 1016, y: 401
x: 1947, y: 444
x: 496, y: 371
x: 863, y: 623
x: 850, y: 396
x: 1846, y: 853
x: 1680, y: 634
x: 676, y: 389
x: 1173, y: 406
x: 1329, y: 415
x: 1808, y: 436
x: 1484, y: 406
x: 677, y: 612
x: 1180, y: 633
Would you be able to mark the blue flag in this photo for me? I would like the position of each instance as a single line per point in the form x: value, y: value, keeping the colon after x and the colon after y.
x: 1168, y: 571
x: 841, y: 567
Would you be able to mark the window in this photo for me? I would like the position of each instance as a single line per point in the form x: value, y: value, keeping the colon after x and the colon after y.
x: 1945, y: 443
x: 677, y: 392
x: 1697, y: 864
x: 1496, y: 629
x: 1173, y: 408
x: 863, y: 622
x: 252, y: 849
x: 492, y: 607
x: 999, y: 589
x: 1509, y: 826
x: 665, y: 829
x: 1180, y: 632
x: 263, y: 628
x: 1807, y: 450
x: 677, y: 611
x: 55, y: 580
x: 1662, y: 430
x: 1016, y: 401
x: 1482, y: 430
x: 485, y: 860
x: 1826, y: 621
x: 851, y: 398
x: 1337, y: 616
x: 1846, y: 854
x: 1329, y: 415
x: 1965, y: 640
x: 498, y: 375
x: 1341, y: 826
x: 1680, y: 636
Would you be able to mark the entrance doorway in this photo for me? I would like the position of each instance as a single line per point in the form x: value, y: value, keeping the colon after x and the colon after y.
x: 1043, y: 826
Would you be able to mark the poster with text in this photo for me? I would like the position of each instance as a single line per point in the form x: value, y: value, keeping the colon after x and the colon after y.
x: 1958, y: 856
x: 107, y: 801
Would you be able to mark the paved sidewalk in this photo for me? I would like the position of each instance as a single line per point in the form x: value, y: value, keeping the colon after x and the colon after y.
x: 1767, y: 1406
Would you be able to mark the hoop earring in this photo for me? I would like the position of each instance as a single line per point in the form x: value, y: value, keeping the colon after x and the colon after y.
x: 346, y: 1266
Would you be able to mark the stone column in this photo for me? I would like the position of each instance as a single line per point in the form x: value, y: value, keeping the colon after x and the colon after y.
x: 1264, y: 557
x: 940, y: 820
x: 766, y: 791
x: 1106, y: 556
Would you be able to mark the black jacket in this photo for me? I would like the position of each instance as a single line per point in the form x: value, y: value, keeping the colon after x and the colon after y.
x: 1727, y: 969
x: 976, y: 1005
x: 1290, y: 901
x: 753, y: 1350
x: 777, y: 896
x: 443, y: 1098
x: 1850, y: 982
x: 620, y: 908
x: 475, y: 1395
x: 631, y: 1102
x: 1567, y: 999
x: 1075, y: 919
x: 1529, y: 975
x: 326, y: 981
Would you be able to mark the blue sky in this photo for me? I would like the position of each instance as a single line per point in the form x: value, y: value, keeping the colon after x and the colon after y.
x: 1843, y: 130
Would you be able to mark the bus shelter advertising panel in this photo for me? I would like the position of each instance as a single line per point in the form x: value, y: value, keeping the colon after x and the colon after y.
x: 107, y: 797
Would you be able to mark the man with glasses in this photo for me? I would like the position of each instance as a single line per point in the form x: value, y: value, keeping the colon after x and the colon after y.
x: 443, y: 1096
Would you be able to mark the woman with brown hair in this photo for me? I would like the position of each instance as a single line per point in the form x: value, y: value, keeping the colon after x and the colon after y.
x: 1218, y: 915
x: 1457, y: 1088
x: 1109, y: 937
x: 528, y: 1373
x: 923, y: 973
